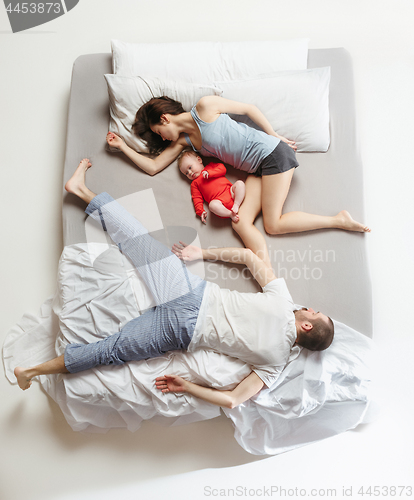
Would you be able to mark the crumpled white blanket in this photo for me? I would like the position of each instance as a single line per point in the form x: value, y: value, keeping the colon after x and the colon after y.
x: 317, y: 395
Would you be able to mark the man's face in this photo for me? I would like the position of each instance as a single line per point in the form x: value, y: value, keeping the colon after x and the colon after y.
x: 191, y: 166
x: 309, y: 314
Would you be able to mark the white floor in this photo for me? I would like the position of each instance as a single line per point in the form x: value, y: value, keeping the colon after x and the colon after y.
x: 41, y: 457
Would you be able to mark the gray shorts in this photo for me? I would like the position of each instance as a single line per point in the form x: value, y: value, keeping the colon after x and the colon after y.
x: 281, y: 159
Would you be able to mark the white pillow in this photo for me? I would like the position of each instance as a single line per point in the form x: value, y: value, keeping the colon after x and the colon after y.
x: 128, y: 93
x: 296, y: 103
x: 208, y: 61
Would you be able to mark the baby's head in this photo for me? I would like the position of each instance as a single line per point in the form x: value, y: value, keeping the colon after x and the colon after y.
x: 190, y: 164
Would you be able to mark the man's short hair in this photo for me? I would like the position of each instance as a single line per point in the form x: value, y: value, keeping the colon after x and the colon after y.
x: 320, y: 337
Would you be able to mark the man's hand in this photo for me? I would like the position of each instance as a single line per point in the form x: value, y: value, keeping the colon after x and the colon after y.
x: 114, y: 140
x: 187, y: 253
x: 204, y: 217
x: 171, y: 383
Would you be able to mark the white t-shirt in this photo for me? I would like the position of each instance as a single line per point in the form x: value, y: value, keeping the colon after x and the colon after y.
x: 258, y: 328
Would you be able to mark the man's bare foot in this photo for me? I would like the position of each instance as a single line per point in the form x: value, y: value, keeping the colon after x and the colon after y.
x: 235, y: 209
x: 22, y: 379
x: 348, y: 223
x: 76, y: 184
x: 234, y: 217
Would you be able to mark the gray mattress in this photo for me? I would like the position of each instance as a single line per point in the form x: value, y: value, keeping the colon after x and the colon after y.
x: 326, y: 269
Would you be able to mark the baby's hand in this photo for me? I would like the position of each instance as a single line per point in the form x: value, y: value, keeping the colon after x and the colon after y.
x: 114, y: 140
x: 204, y: 217
x: 205, y: 174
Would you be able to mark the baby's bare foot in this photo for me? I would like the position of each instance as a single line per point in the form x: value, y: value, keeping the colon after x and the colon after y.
x: 235, y: 208
x: 76, y: 184
x: 22, y: 379
x: 234, y: 217
x: 348, y: 223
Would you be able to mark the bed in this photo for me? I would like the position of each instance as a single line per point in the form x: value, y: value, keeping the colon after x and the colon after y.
x: 318, y: 395
x: 324, y: 183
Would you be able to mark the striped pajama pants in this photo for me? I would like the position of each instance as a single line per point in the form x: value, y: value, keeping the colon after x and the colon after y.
x: 178, y: 294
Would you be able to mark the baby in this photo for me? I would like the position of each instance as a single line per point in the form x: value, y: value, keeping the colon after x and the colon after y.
x: 210, y: 184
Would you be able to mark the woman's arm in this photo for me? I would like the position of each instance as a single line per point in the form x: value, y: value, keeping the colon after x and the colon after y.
x: 148, y: 165
x: 261, y: 272
x: 210, y: 106
x: 247, y: 388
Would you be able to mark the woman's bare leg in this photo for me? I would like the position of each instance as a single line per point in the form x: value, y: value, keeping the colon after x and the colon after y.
x: 24, y: 375
x: 76, y: 184
x: 249, y: 210
x: 274, y: 192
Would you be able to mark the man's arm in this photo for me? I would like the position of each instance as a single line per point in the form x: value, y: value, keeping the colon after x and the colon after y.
x: 261, y: 272
x: 247, y: 388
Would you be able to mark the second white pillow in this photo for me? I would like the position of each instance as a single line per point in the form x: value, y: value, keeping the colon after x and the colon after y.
x: 296, y: 103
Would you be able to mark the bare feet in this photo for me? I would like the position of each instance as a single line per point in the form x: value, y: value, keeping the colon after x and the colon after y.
x: 22, y: 379
x: 346, y: 222
x: 234, y: 217
x: 76, y: 184
x: 235, y: 209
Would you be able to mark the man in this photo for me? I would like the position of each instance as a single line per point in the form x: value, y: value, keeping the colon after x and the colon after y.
x: 261, y: 329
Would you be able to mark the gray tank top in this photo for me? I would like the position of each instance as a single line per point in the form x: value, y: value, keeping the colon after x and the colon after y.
x: 232, y: 142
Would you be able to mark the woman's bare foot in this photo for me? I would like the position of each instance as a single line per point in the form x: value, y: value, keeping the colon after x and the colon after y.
x: 345, y: 221
x: 22, y: 379
x: 234, y: 217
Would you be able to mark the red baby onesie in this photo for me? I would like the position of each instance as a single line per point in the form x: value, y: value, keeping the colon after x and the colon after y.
x: 216, y: 186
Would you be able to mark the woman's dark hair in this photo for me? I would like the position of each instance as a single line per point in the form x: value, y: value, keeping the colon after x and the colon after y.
x: 150, y: 114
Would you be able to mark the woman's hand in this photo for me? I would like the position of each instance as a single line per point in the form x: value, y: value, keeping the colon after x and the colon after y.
x: 292, y: 144
x: 188, y: 253
x: 114, y: 140
x: 171, y: 383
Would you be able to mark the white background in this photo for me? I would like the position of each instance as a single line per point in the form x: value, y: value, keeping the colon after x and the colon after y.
x: 41, y: 457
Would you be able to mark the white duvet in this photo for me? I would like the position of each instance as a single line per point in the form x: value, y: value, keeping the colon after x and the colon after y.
x: 317, y: 395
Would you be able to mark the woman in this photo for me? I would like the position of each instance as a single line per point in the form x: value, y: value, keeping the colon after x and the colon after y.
x: 168, y: 129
